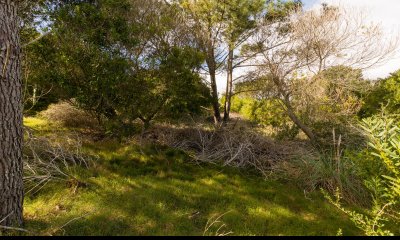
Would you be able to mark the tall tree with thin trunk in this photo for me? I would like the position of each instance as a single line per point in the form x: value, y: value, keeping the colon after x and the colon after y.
x: 240, y: 21
x: 206, y: 18
x: 11, y: 134
x: 220, y: 26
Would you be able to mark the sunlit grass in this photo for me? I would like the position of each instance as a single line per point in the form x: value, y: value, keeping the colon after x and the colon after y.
x: 153, y: 190
x: 37, y: 123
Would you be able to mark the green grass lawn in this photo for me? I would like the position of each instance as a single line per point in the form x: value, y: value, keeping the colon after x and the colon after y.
x: 154, y: 190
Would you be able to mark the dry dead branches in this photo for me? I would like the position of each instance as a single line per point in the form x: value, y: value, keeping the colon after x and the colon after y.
x: 235, y: 147
x: 50, y: 158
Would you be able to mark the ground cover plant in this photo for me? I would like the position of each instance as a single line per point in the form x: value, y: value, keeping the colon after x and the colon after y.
x: 157, y: 190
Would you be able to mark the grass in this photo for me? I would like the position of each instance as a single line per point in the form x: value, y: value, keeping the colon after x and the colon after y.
x: 154, y: 190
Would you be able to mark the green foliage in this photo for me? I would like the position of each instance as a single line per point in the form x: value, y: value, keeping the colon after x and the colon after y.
x: 385, y: 93
x: 267, y: 112
x: 240, y: 16
x: 155, y: 190
x: 372, y: 226
x: 170, y: 90
x: 76, y: 60
x: 384, y: 179
x: 234, y: 18
x: 384, y: 134
x: 280, y: 9
x: 117, y: 64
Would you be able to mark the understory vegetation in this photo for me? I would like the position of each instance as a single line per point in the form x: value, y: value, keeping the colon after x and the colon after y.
x: 127, y: 132
x: 195, y: 180
x: 153, y: 189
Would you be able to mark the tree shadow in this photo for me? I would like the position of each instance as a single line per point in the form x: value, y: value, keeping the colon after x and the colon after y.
x: 155, y: 190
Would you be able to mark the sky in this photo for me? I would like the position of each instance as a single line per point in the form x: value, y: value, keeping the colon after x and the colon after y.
x: 385, y: 12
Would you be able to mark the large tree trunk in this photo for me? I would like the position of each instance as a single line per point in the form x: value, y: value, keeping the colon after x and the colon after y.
x: 11, y: 134
x: 229, y: 85
x: 214, y: 91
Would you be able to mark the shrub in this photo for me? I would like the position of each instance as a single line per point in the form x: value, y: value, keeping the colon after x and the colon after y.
x: 384, y: 186
x: 68, y: 115
x: 266, y: 112
x: 326, y: 171
x: 385, y: 93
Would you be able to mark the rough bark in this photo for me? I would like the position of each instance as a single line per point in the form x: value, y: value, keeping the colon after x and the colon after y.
x: 214, y: 91
x: 11, y: 134
x: 229, y: 85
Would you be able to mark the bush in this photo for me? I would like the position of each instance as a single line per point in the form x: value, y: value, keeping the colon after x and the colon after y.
x: 385, y: 93
x: 326, y: 171
x: 384, y: 182
x: 266, y: 112
x: 69, y: 116
x: 351, y: 136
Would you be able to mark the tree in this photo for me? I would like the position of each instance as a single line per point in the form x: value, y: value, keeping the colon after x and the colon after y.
x: 384, y: 93
x: 206, y: 21
x: 165, y: 63
x: 243, y: 19
x: 122, y: 60
x: 11, y: 134
x: 34, y: 15
x: 81, y: 56
x: 240, y: 22
x: 330, y: 100
x: 220, y: 27
x: 307, y: 43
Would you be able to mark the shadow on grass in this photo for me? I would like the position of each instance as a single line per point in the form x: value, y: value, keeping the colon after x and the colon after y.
x: 157, y: 191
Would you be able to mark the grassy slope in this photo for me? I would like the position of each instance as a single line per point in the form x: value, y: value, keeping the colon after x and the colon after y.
x: 157, y: 191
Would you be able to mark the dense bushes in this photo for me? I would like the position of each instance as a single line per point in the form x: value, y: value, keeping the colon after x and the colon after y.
x: 385, y: 93
x: 116, y: 64
x: 69, y: 115
x: 266, y: 112
x: 378, y: 166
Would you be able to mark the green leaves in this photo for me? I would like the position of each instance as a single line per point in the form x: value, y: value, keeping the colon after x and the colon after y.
x: 383, y: 133
x: 385, y: 94
x: 120, y: 59
x: 384, y: 139
x: 278, y: 10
